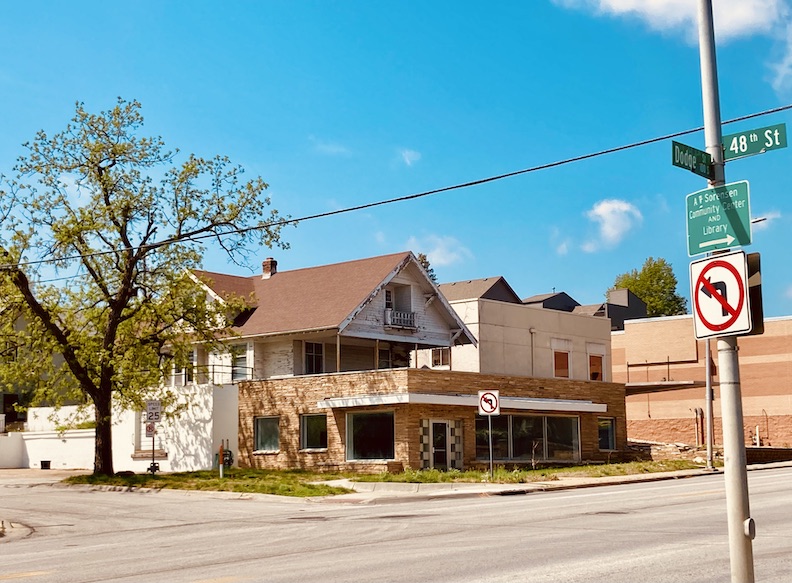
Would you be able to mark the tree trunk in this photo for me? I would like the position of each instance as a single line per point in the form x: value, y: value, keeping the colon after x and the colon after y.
x: 103, y: 448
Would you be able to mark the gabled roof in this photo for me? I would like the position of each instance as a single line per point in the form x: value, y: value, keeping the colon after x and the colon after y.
x: 488, y: 288
x: 326, y: 297
x: 561, y: 301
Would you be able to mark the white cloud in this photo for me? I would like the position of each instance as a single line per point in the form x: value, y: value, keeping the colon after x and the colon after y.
x: 379, y: 237
x: 615, y: 219
x: 440, y: 251
x: 409, y: 157
x: 768, y: 217
x: 732, y: 19
x: 328, y: 148
x: 788, y: 292
x: 562, y: 248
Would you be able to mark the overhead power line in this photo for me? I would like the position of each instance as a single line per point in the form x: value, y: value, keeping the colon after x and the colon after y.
x: 478, y: 182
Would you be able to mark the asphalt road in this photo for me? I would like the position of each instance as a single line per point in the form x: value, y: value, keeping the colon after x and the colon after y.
x: 644, y: 532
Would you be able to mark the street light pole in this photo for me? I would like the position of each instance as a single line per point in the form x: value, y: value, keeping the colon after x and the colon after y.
x: 741, y: 525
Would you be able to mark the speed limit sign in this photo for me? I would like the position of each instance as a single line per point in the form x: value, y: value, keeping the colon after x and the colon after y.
x: 153, y: 411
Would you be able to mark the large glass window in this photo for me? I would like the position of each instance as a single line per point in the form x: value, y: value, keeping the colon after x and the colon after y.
x: 313, y: 432
x: 370, y: 436
x: 314, y: 358
x: 562, y: 438
x: 265, y: 434
x: 607, y: 433
x: 529, y: 437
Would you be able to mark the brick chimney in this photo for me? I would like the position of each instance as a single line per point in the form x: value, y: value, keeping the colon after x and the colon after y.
x: 269, y: 268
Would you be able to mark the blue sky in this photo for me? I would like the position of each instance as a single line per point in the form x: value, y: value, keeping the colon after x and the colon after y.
x: 337, y: 104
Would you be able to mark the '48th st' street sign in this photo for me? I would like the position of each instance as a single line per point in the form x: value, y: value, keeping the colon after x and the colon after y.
x: 718, y: 218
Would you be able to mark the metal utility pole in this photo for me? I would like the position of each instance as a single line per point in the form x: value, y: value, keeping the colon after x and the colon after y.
x: 708, y: 409
x: 741, y: 525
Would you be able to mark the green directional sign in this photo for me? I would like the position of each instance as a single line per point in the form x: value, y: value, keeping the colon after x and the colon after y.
x: 755, y: 141
x: 696, y: 161
x: 718, y: 218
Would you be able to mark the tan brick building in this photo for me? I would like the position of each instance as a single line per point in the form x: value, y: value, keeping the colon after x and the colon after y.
x: 664, y: 367
x: 421, y: 418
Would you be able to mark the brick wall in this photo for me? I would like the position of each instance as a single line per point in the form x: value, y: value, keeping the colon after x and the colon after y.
x: 288, y: 398
x: 774, y: 430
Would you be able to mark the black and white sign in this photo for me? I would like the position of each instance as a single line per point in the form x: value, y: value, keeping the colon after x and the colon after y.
x: 719, y: 293
x: 489, y: 402
x: 153, y: 411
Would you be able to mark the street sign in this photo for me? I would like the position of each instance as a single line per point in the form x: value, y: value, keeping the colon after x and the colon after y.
x: 153, y: 411
x: 718, y: 218
x: 755, y: 141
x: 690, y: 158
x: 719, y: 293
x: 489, y: 402
x: 150, y: 430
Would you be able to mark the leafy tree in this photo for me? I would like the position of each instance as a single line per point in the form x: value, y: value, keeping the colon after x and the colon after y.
x: 656, y: 285
x: 424, y: 261
x: 100, y: 227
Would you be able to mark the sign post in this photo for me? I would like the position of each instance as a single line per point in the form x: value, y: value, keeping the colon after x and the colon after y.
x: 489, y: 405
x: 740, y: 524
x: 153, y: 416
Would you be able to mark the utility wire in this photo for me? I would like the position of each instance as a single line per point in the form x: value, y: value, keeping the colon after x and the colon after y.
x: 288, y: 221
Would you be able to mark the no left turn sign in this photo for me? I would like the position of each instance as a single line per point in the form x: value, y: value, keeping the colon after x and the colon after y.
x: 489, y: 402
x: 719, y: 293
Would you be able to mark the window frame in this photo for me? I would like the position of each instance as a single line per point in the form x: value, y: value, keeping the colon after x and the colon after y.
x: 305, y: 433
x: 350, y: 436
x: 508, y: 445
x: 239, y: 371
x: 444, y: 357
x: 601, y: 367
x: 611, y: 436
x: 313, y: 355
x: 256, y: 430
x: 557, y: 369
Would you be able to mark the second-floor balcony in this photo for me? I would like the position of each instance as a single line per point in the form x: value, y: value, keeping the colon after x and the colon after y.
x: 399, y: 319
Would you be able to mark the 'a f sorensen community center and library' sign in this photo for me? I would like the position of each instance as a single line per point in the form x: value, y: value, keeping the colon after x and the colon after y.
x: 718, y: 218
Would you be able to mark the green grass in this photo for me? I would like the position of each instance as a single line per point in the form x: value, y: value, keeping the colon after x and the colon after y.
x: 304, y: 483
x: 282, y: 483
x: 521, y: 476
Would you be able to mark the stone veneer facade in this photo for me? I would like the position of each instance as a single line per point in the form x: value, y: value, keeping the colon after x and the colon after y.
x: 288, y: 398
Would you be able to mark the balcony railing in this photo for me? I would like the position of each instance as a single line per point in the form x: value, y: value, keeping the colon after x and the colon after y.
x: 399, y: 319
x: 215, y: 374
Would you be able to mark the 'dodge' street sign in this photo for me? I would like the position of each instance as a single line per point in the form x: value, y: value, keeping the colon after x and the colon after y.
x: 718, y: 218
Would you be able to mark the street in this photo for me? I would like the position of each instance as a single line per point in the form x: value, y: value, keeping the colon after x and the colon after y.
x: 649, y: 532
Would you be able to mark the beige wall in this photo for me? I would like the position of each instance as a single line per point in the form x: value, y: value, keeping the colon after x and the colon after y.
x: 660, y: 349
x: 506, y: 345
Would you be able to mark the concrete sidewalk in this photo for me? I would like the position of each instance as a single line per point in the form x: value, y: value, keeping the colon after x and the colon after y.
x: 371, y: 492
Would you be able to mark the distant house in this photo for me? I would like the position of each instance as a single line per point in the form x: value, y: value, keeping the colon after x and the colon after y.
x: 622, y: 305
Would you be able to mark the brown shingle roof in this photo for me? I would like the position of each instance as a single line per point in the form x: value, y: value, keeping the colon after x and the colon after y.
x: 314, y: 298
x: 489, y: 287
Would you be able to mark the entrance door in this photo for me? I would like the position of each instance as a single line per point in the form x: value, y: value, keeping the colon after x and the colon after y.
x: 440, y: 445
